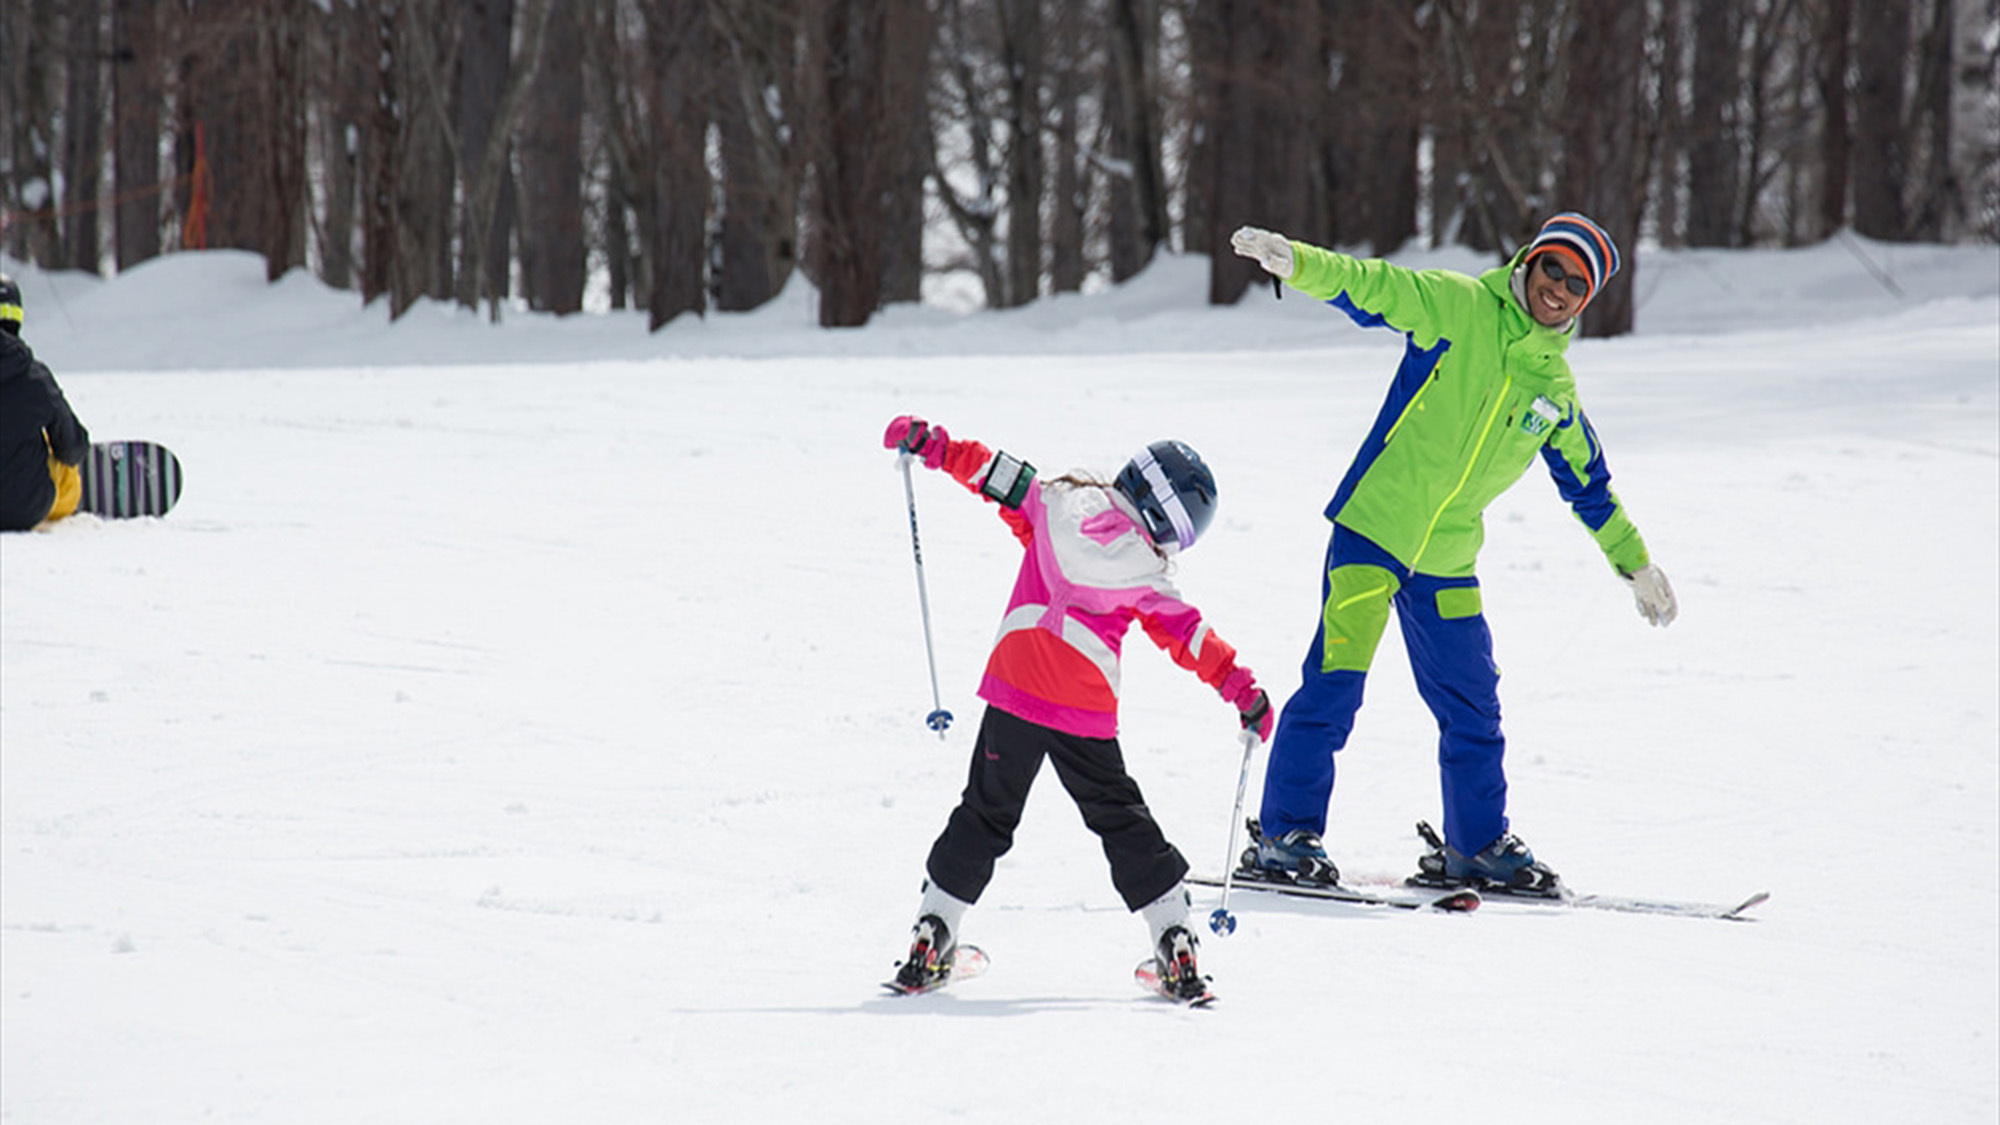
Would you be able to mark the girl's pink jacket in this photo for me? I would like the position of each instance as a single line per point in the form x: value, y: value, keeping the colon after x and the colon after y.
x: 1089, y: 572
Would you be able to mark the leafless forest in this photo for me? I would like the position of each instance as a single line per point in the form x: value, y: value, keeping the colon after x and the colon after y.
x: 688, y: 155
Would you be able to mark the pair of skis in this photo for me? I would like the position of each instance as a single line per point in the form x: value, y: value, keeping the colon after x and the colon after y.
x: 1464, y: 900
x: 969, y: 962
x: 1417, y: 893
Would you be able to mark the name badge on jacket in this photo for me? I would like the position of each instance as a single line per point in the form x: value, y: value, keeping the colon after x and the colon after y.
x: 1540, y: 416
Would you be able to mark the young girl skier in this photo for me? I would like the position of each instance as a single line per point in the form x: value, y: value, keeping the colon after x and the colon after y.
x: 1097, y: 560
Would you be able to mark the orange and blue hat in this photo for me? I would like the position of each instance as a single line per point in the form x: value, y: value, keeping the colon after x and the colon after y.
x: 1584, y: 248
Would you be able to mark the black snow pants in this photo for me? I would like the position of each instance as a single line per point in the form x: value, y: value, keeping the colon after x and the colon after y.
x: 1005, y: 759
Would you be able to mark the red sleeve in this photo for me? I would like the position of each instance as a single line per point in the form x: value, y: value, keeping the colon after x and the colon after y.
x: 1208, y: 656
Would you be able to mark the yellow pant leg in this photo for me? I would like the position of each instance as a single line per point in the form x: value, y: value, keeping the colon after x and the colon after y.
x: 69, y: 488
x: 1358, y: 597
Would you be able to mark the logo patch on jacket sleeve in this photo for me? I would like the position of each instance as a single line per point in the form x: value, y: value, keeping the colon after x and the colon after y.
x: 1540, y: 416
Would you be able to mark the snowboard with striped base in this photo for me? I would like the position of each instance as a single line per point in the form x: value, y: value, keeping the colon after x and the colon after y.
x: 126, y: 479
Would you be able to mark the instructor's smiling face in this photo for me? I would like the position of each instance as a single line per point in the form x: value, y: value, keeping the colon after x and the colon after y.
x: 1550, y: 299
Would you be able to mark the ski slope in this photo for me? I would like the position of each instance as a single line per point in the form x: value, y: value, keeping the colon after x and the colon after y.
x: 524, y: 723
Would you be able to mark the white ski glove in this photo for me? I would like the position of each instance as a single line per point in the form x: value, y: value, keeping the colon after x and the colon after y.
x: 1653, y: 594
x: 1272, y: 251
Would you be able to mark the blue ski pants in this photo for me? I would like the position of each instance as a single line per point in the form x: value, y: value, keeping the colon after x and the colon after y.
x: 1451, y: 653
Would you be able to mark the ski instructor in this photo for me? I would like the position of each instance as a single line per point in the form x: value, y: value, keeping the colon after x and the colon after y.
x: 1483, y: 387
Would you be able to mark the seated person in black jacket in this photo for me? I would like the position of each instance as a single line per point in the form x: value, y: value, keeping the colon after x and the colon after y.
x: 41, y: 442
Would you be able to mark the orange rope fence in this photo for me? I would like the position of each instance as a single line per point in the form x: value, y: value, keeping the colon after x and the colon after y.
x: 194, y: 226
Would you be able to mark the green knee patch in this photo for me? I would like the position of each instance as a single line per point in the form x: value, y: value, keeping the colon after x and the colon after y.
x: 1458, y: 601
x: 1356, y: 612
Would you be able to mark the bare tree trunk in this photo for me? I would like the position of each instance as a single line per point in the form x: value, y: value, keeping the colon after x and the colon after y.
x: 618, y: 253
x: 1371, y: 131
x: 759, y: 115
x: 420, y: 166
x: 1975, y: 124
x: 1138, y: 191
x: 486, y: 40
x: 135, y: 95
x: 83, y: 143
x: 1449, y: 157
x: 1394, y: 75
x: 678, y: 41
x: 1881, y: 149
x: 1256, y: 164
x: 911, y: 153
x: 378, y: 155
x: 245, y: 94
x: 1495, y: 70
x: 1754, y: 132
x: 1069, y: 201
x: 847, y: 171
x: 613, y: 92
x: 856, y: 79
x: 965, y: 110
x: 1713, y: 139
x: 745, y: 276
x: 1835, y: 16
x: 1933, y: 196
x: 1670, y: 137
x: 29, y: 43
x: 1602, y: 169
x: 220, y: 103
x: 1021, y: 61
x: 282, y: 74
x: 349, y: 83
x: 1797, y: 82
x: 551, y: 154
x: 486, y: 234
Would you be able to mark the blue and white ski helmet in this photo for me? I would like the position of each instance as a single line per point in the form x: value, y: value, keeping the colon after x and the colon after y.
x: 1173, y: 490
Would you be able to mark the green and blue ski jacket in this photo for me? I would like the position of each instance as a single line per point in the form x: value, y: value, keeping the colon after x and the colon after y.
x: 1482, y: 388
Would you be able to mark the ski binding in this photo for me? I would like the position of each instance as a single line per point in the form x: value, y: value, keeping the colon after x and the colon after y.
x: 967, y: 962
x: 1147, y: 976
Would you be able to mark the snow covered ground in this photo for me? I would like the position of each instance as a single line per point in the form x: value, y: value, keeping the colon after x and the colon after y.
x: 524, y: 724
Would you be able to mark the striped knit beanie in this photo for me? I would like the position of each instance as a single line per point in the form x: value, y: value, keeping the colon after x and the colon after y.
x: 1583, y: 247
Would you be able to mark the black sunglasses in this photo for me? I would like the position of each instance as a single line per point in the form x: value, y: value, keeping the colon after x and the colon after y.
x: 1553, y: 270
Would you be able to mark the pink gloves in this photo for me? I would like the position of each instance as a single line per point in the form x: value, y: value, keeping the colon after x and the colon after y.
x: 914, y: 436
x: 1257, y: 714
x: 1240, y: 688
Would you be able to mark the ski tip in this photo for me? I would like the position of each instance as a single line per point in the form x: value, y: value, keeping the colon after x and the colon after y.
x: 1463, y: 901
x: 969, y: 961
x: 1735, y: 913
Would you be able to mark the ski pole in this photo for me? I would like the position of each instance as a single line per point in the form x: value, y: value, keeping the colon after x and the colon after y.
x: 1222, y: 922
x: 939, y: 718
